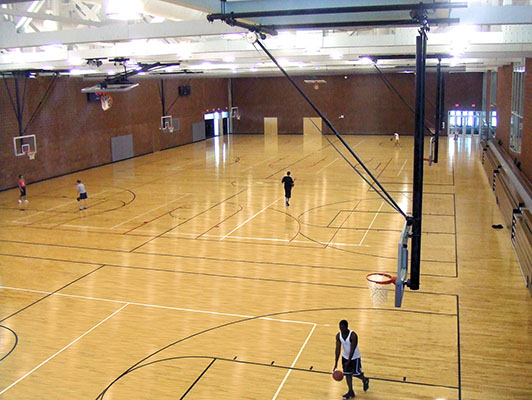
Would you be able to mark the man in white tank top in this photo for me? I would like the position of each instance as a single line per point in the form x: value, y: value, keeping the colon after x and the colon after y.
x: 351, y: 363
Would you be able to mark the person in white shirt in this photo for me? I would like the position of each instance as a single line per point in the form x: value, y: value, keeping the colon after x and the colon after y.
x: 396, y: 139
x: 351, y: 362
x: 82, y: 197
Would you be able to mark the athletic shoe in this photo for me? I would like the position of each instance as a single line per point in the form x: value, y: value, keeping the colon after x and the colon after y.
x: 287, y: 204
x: 84, y: 208
x: 349, y: 395
x: 366, y: 384
x: 80, y: 209
x: 19, y: 201
x: 25, y: 201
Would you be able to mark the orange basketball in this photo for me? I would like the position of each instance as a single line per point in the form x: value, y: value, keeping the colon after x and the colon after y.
x: 338, y: 375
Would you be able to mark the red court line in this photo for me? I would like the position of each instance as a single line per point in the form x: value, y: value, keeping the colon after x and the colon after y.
x: 151, y: 220
x: 221, y: 222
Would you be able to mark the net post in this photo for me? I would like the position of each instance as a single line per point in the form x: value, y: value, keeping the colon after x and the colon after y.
x: 437, y: 123
x: 415, y: 261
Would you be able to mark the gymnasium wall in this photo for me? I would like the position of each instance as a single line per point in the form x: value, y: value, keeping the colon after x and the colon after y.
x: 526, y: 144
x: 367, y: 104
x: 504, y: 113
x: 73, y: 134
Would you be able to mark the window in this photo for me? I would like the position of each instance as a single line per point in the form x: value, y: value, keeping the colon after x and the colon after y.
x: 516, y: 123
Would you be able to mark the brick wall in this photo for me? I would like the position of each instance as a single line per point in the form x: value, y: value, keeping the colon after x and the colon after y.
x: 73, y: 134
x: 504, y: 104
x: 367, y: 104
x: 526, y: 144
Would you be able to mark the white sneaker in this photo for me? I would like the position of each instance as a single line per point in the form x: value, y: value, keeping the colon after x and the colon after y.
x: 25, y: 201
x: 19, y: 201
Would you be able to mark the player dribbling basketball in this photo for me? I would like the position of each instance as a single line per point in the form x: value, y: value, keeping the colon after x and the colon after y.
x: 351, y: 362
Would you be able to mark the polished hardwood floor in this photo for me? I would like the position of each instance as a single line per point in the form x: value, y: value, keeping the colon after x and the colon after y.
x: 188, y: 277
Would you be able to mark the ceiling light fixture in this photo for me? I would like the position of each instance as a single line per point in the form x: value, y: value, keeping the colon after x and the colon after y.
x: 123, y: 9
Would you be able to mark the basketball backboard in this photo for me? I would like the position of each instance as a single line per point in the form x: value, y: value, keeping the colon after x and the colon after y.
x: 402, y: 265
x: 24, y: 144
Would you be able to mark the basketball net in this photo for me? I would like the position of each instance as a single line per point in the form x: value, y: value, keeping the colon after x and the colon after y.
x: 106, y: 100
x: 31, y: 154
x: 378, y: 286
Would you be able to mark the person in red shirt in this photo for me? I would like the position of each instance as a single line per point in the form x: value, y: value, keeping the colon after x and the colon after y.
x: 22, y: 188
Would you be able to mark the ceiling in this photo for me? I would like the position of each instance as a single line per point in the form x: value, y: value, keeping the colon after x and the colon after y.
x: 78, y: 37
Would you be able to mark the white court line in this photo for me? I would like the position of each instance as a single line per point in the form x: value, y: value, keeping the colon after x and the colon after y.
x: 294, y: 363
x: 370, y: 225
x: 267, y: 239
x: 186, y: 165
x: 401, y: 170
x: 149, y: 211
x: 53, y: 208
x: 64, y: 348
x: 328, y: 165
x: 253, y: 216
x: 156, y: 306
x: 253, y: 166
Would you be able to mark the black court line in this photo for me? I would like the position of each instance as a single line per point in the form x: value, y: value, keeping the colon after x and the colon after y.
x: 14, y: 345
x: 455, y: 236
x: 342, y: 224
x: 49, y: 294
x: 213, y: 275
x: 219, y: 259
x: 294, y: 163
x: 197, y: 379
x: 187, y: 220
x: 459, y: 355
x: 333, y: 218
x: 139, y: 364
x: 275, y: 366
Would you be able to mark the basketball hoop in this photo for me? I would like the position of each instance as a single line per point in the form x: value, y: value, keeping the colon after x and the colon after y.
x: 377, y: 283
x: 106, y: 100
x: 31, y: 154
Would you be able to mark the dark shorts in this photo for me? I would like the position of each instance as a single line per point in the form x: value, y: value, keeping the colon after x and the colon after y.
x: 82, y: 196
x: 354, y: 367
x: 287, y: 192
x: 22, y: 191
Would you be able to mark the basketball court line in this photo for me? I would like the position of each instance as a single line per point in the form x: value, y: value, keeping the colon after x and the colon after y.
x: 195, y: 257
x: 253, y: 216
x: 253, y: 166
x: 343, y: 222
x: 328, y: 165
x: 370, y: 225
x: 293, y: 363
x: 64, y: 348
x: 149, y: 211
x: 154, y: 305
x: 187, y: 220
x: 53, y: 208
x: 219, y: 223
x: 401, y: 170
x: 135, y: 267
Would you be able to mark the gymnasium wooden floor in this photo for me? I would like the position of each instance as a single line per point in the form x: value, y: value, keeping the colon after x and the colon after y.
x: 188, y: 277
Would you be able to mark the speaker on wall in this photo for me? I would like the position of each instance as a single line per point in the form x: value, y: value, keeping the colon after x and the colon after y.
x: 184, y: 90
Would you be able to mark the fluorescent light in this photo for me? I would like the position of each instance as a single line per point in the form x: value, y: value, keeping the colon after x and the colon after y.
x: 233, y: 36
x: 124, y: 9
x: 75, y: 60
x: 336, y: 55
x: 229, y: 59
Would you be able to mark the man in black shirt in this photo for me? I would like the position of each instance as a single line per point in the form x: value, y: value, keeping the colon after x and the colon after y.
x: 288, y: 184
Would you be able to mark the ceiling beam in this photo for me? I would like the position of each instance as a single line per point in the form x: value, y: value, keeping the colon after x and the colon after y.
x: 113, y: 33
x: 494, y: 15
x: 206, y: 6
x: 47, y: 17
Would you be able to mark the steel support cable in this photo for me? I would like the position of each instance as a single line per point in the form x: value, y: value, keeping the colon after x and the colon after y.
x: 390, y: 86
x: 12, y: 102
x: 38, y: 108
x: 356, y: 170
x: 333, y: 129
